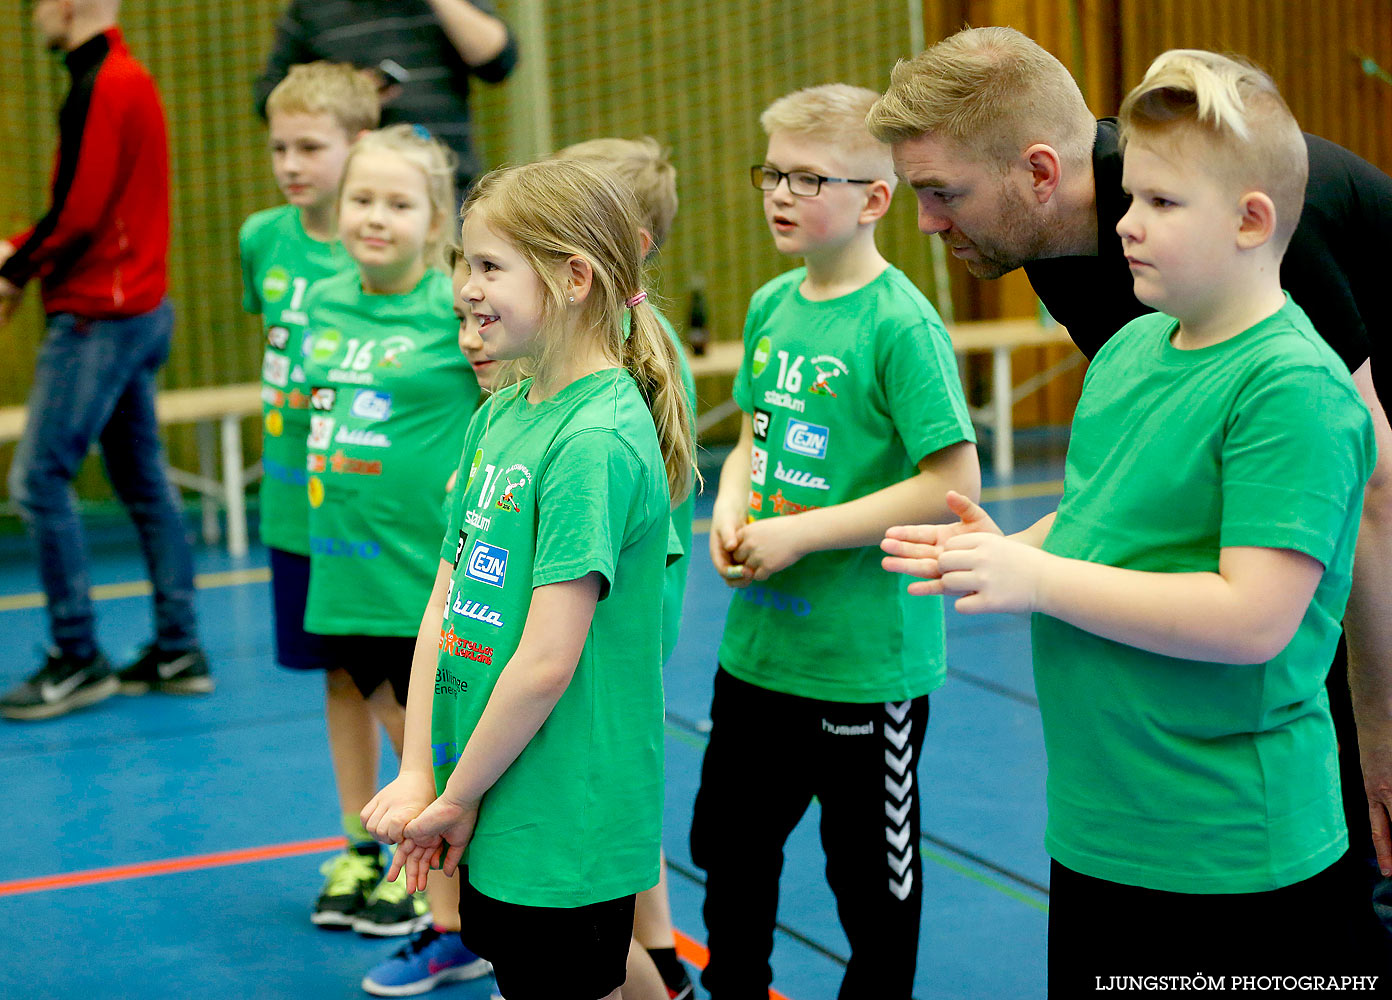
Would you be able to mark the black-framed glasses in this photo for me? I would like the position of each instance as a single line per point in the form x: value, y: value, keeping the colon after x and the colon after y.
x: 802, y: 183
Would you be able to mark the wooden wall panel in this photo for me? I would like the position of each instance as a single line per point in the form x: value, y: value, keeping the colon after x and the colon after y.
x: 1313, y: 50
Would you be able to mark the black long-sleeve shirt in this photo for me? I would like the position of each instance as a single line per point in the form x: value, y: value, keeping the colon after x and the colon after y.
x: 1334, y: 267
x: 364, y: 32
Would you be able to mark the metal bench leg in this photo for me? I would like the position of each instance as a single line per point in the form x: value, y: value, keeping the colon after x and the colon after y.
x: 233, y: 485
x: 1003, y: 402
x: 208, y: 504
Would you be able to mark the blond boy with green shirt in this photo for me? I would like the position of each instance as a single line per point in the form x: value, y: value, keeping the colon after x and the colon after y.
x: 1187, y: 594
x: 853, y: 417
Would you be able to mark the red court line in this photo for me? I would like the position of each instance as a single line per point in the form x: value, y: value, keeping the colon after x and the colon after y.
x: 145, y: 869
x: 689, y: 950
x: 695, y: 953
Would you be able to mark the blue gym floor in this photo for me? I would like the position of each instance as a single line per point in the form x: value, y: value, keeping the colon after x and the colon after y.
x: 133, y: 782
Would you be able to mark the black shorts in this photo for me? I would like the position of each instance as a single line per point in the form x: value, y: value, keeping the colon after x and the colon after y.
x: 372, y: 660
x: 294, y: 647
x: 586, y: 948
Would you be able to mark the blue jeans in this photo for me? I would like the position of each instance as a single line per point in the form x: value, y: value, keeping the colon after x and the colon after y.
x: 95, y: 381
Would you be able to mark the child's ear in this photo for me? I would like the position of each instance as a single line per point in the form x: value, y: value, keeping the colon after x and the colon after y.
x: 645, y: 238
x: 1257, y: 222
x: 579, y: 278
x: 878, y: 195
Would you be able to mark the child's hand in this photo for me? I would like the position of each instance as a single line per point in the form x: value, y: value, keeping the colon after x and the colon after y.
x: 992, y: 572
x: 446, y: 826
x: 768, y: 545
x: 397, y: 804
x: 724, y: 539
x: 914, y: 549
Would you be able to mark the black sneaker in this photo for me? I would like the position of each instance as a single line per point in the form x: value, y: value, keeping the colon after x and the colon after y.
x: 351, y: 876
x: 62, y: 684
x: 391, y: 911
x: 155, y: 669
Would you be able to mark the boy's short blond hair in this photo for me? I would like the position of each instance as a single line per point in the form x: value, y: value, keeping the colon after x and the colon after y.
x: 644, y: 166
x: 325, y: 88
x: 833, y: 113
x: 1252, y: 141
x: 992, y: 91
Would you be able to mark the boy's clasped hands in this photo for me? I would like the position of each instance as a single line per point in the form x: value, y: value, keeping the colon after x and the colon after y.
x: 430, y: 832
x: 744, y: 553
x: 972, y: 558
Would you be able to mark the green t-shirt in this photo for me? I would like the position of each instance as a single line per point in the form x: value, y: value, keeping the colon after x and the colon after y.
x: 549, y: 493
x: 280, y: 262
x: 391, y: 398
x: 846, y: 397
x: 1177, y: 774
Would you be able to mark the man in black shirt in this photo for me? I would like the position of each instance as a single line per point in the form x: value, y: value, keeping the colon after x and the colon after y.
x: 1011, y: 170
x: 422, y: 53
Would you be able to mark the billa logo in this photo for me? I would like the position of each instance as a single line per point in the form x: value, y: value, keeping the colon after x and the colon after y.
x: 316, y: 492
x: 275, y: 424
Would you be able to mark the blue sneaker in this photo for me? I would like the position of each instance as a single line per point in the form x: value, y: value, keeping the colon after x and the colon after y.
x: 426, y: 961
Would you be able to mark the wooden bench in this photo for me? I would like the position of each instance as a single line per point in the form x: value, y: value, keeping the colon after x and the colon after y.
x: 998, y: 338
x: 209, y: 409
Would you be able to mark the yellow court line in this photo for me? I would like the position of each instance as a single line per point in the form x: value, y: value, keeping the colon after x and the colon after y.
x: 1022, y: 491
x: 140, y: 588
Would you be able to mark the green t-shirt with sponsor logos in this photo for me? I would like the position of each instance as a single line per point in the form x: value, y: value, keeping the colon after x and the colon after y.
x: 390, y: 400
x: 846, y: 397
x: 280, y: 262
x: 1183, y: 775
x: 547, y: 493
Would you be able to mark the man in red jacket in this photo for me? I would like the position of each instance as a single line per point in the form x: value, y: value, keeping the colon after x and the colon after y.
x: 100, y: 257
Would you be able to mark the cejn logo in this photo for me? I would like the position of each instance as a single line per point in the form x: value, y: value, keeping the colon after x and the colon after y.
x: 321, y: 397
x: 807, y: 439
x: 487, y: 564
x: 278, y: 337
x: 369, y: 404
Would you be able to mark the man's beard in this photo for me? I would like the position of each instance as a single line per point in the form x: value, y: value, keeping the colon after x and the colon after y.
x: 1020, y: 237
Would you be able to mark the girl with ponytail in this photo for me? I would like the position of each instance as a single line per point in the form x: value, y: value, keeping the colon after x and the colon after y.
x: 533, y: 758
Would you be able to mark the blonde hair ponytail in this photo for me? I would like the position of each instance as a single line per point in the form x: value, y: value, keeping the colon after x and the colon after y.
x: 553, y: 210
x: 651, y: 358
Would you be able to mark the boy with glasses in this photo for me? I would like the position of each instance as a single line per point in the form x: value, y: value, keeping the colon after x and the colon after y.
x: 853, y: 418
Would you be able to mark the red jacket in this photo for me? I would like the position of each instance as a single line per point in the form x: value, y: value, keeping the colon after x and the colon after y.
x: 101, y: 251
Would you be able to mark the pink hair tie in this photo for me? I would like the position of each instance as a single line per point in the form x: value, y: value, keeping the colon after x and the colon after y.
x: 640, y: 297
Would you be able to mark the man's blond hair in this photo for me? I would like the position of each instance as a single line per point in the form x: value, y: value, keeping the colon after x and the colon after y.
x: 833, y: 113
x: 992, y: 91
x: 324, y: 88
x: 644, y: 166
x: 1252, y: 141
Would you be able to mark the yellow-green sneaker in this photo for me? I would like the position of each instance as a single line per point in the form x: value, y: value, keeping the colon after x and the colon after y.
x: 351, y: 877
x: 391, y: 911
